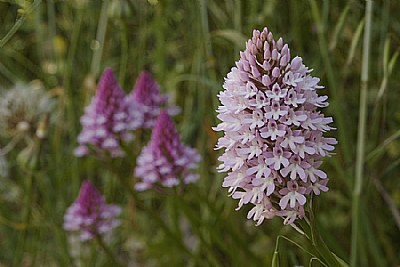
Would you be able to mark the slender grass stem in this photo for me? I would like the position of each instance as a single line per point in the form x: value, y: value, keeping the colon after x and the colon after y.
x: 73, y: 48
x: 37, y: 17
x: 154, y: 215
x: 19, y: 23
x: 108, y: 251
x: 389, y: 201
x: 160, y: 39
x: 67, y: 106
x: 125, y: 53
x: 237, y: 21
x: 51, y: 13
x: 26, y: 217
x: 100, y: 36
x: 337, y: 103
x: 363, y: 113
x: 205, y: 27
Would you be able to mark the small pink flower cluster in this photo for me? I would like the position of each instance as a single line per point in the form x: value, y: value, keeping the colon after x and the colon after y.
x: 111, y: 116
x: 89, y: 215
x: 273, y: 132
x: 148, y: 99
x: 165, y: 160
x: 108, y: 121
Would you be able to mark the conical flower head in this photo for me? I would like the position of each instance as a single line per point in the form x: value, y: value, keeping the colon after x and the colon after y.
x: 146, y: 98
x: 165, y: 160
x: 107, y: 121
x: 90, y: 215
x: 273, y: 131
x: 147, y: 91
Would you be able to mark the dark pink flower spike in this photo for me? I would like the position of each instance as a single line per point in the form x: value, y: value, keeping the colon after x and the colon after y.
x: 146, y: 98
x: 89, y: 215
x: 165, y: 160
x: 107, y: 122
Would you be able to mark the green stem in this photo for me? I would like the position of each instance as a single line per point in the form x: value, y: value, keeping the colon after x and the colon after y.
x: 32, y: 164
x: 108, y: 251
x: 205, y: 27
x: 154, y: 215
x: 337, y: 101
x: 67, y: 108
x: 363, y: 113
x: 160, y: 39
x: 19, y: 23
x: 321, y: 246
x: 51, y: 14
x: 125, y: 53
x: 26, y: 216
x: 100, y: 36
x: 310, y: 228
x: 37, y: 16
x: 237, y: 21
x: 275, y: 257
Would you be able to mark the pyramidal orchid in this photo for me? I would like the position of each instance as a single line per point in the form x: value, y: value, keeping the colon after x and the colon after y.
x: 274, y: 134
x: 146, y: 98
x: 89, y: 215
x: 107, y: 121
x: 165, y: 160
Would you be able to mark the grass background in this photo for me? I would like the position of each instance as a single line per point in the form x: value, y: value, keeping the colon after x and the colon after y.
x: 190, y: 46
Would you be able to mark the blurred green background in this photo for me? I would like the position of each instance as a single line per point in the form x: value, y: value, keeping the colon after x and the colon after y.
x: 189, y: 47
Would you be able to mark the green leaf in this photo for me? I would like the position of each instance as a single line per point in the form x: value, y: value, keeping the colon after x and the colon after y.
x: 339, y: 26
x: 231, y: 35
x: 341, y: 262
x: 354, y: 42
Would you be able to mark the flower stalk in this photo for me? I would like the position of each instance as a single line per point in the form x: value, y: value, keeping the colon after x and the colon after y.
x: 322, y: 251
x: 108, y: 251
x: 363, y: 114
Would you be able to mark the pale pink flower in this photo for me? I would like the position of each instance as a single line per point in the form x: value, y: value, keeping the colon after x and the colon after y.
x: 274, y: 134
